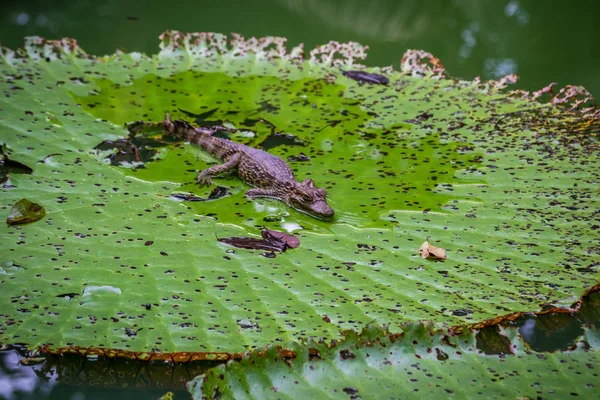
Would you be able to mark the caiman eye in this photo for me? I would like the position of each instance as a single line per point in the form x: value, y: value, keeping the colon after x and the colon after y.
x: 306, y: 198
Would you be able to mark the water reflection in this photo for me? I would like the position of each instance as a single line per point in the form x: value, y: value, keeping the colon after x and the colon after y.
x: 377, y: 19
x: 513, y: 9
x: 22, y: 19
x: 551, y: 332
x: 18, y: 382
x: 70, y: 377
x: 468, y: 36
x: 497, y: 68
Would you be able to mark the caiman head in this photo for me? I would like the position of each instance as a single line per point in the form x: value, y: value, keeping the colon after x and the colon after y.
x: 307, y: 198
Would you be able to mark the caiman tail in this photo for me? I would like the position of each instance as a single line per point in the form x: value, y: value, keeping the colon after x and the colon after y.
x: 184, y: 130
x: 201, y: 137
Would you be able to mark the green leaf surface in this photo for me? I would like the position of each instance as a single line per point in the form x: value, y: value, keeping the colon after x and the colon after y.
x: 496, y: 181
x: 419, y: 363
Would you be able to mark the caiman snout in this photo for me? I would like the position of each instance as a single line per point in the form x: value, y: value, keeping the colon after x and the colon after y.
x: 321, y: 209
x: 326, y: 211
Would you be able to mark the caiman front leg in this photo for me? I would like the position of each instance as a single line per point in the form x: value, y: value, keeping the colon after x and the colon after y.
x: 203, y: 177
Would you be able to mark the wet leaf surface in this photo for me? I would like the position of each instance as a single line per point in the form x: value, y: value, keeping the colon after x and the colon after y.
x: 271, y: 241
x: 477, y: 172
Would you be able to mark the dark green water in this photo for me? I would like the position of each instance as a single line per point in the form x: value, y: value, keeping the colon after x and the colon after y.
x: 542, y: 41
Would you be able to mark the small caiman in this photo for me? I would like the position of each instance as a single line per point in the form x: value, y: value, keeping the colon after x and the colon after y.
x: 269, y: 174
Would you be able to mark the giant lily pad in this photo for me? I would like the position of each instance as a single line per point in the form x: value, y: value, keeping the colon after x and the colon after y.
x: 505, y: 184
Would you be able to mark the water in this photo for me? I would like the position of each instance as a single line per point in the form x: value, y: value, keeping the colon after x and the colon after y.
x: 543, y: 42
x: 71, y: 378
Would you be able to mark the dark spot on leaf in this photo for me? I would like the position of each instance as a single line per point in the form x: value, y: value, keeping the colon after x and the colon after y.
x: 67, y: 295
x: 218, y: 192
x: 280, y: 139
x: 346, y: 354
x: 130, y: 332
x: 273, y: 218
x: 301, y: 157
x: 461, y: 312
x: 350, y: 390
x: 440, y: 355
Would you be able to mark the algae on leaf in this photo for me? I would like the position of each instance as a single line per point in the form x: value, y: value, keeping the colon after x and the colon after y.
x: 505, y: 183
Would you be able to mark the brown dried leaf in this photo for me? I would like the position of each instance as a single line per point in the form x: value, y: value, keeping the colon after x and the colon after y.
x: 252, y: 243
x: 290, y: 240
x: 429, y: 251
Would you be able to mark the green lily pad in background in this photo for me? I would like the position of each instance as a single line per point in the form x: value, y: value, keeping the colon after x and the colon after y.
x: 501, y: 182
x: 418, y: 363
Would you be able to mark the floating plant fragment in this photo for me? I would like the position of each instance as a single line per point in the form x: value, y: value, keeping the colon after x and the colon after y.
x: 24, y: 211
x: 8, y: 166
x: 243, y: 242
x: 290, y: 240
x: 217, y: 193
x: 367, y: 77
x: 429, y: 251
x: 301, y: 157
x: 271, y: 241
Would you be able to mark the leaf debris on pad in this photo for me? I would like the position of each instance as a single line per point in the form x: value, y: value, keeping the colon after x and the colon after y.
x: 301, y: 157
x: 271, y: 241
x: 8, y: 166
x: 216, y: 193
x: 429, y: 251
x: 24, y: 211
x: 368, y: 77
x: 290, y: 241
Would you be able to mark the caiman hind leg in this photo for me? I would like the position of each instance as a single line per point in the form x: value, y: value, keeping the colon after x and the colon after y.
x: 203, y: 177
